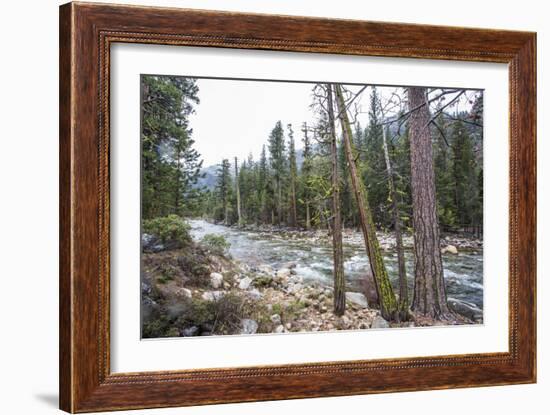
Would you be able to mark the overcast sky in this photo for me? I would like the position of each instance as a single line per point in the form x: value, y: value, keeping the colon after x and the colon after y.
x: 235, y: 117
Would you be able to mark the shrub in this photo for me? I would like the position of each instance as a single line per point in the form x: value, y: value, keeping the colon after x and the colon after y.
x: 215, y: 244
x: 172, y: 230
x: 221, y: 316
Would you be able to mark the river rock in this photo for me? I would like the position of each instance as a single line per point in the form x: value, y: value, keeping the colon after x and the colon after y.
x: 249, y: 326
x: 184, y: 292
x: 254, y: 294
x: 465, y: 309
x: 150, y: 243
x: 244, y: 284
x: 212, y: 295
x: 283, y: 273
x: 275, y: 319
x: 145, y: 288
x: 380, y: 323
x: 216, y: 280
x: 279, y: 329
x: 265, y: 269
x: 358, y: 299
x: 190, y: 331
x: 294, y: 288
x: 450, y: 249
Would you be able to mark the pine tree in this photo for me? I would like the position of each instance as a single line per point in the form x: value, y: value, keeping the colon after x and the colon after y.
x: 293, y: 175
x: 429, y: 298
x: 171, y: 166
x: 374, y: 167
x: 223, y: 188
x: 306, y: 175
x: 464, y: 176
x: 386, y: 296
x: 338, y: 253
x: 276, y: 146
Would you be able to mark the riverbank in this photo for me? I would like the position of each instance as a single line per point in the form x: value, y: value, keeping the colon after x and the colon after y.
x: 194, y: 291
x: 449, y: 243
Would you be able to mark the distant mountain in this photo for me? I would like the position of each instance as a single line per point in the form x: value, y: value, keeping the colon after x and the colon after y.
x: 210, y: 172
x: 209, y: 179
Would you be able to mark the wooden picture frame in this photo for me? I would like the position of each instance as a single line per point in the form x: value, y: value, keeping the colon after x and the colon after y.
x: 86, y: 33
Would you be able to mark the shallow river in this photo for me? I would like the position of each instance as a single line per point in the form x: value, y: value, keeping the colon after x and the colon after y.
x: 463, y: 272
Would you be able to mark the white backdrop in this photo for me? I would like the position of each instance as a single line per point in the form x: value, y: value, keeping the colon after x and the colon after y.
x: 28, y: 214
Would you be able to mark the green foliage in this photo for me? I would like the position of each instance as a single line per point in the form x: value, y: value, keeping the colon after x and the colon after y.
x: 222, y: 315
x: 172, y: 230
x: 170, y: 164
x: 216, y: 244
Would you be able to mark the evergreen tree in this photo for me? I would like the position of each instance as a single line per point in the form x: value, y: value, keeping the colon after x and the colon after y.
x: 223, y: 188
x: 276, y: 146
x: 306, y: 175
x: 465, y: 177
x: 293, y: 176
x: 374, y: 170
x: 170, y: 164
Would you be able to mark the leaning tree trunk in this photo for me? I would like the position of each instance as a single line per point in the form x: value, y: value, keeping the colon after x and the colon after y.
x: 386, y: 297
x: 338, y: 252
x: 429, y: 287
x: 403, y: 289
x: 238, y: 193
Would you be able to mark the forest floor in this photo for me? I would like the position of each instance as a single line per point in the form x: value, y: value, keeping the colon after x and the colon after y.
x: 193, y: 291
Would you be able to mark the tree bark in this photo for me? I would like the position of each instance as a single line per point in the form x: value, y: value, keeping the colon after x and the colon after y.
x: 293, y: 201
x: 386, y: 296
x: 338, y: 252
x: 403, y: 289
x: 429, y: 297
x: 240, y: 219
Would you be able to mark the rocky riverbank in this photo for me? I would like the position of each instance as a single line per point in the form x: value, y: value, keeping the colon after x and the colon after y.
x: 451, y: 244
x: 199, y: 291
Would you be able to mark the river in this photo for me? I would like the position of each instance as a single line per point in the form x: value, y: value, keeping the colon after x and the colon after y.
x: 313, y: 257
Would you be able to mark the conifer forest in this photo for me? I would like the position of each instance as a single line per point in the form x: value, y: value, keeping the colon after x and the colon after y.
x: 279, y: 207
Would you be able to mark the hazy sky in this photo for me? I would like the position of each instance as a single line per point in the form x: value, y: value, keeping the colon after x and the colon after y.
x: 235, y: 117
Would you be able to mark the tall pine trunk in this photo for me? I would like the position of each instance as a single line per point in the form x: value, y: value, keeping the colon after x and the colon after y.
x: 429, y: 287
x: 403, y: 289
x: 240, y: 219
x: 338, y: 252
x: 293, y: 201
x: 386, y: 296
x: 279, y: 202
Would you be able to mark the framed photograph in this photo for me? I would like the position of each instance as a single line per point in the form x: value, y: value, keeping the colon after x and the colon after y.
x: 258, y: 207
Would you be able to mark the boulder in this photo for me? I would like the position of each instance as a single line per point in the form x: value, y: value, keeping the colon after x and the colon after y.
x: 450, y: 249
x: 184, y: 292
x: 190, y: 331
x: 279, y: 329
x: 275, y: 319
x: 244, y: 284
x: 295, y: 288
x: 380, y: 323
x: 466, y: 309
x: 283, y: 273
x: 254, y: 294
x: 216, y: 280
x: 212, y: 295
x: 358, y: 299
x: 150, y: 243
x: 248, y: 326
